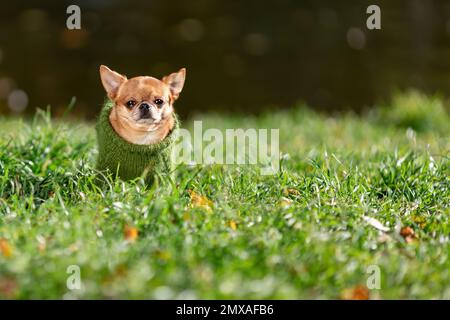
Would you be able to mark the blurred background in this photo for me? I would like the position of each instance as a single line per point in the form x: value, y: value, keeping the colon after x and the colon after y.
x: 241, y: 56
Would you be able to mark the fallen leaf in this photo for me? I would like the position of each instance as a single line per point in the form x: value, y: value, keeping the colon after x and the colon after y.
x: 8, y: 288
x: 358, y: 292
x: 376, y: 224
x: 421, y: 221
x: 42, y: 243
x: 163, y: 255
x: 291, y: 191
x: 408, y: 234
x: 73, y: 247
x: 233, y: 225
x: 285, y: 202
x: 121, y: 271
x: 130, y: 233
x: 5, y: 248
x: 199, y: 201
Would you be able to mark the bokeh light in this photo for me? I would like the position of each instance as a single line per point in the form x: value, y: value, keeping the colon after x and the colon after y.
x: 191, y: 30
x: 6, y: 85
x: 32, y: 20
x: 17, y: 101
x: 256, y: 44
x: 356, y: 38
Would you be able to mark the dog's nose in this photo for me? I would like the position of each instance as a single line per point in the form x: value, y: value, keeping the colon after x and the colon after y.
x: 144, y: 106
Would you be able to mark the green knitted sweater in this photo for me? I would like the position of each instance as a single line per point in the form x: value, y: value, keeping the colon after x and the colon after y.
x: 129, y: 160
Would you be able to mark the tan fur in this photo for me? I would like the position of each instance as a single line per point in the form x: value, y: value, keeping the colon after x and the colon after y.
x: 126, y: 121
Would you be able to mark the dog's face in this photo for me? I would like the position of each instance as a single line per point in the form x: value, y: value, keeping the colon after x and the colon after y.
x: 141, y: 104
x: 144, y: 100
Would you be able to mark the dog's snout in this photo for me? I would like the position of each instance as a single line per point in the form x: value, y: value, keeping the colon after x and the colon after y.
x: 144, y: 106
x: 144, y: 110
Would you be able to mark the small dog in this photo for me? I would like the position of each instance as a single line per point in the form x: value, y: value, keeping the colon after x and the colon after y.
x: 134, y: 129
x: 143, y: 106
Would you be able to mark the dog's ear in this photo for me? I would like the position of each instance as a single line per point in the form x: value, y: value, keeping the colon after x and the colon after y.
x: 111, y: 81
x: 176, y: 82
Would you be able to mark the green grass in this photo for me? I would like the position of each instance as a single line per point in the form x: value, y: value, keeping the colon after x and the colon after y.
x: 298, y: 234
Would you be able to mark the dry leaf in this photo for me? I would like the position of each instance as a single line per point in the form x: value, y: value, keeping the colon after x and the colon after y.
x: 73, y: 247
x: 5, y: 248
x: 199, y: 201
x: 233, y: 225
x: 8, y: 288
x: 121, y: 271
x: 408, y: 234
x: 163, y: 255
x: 42, y: 243
x: 291, y: 191
x: 358, y: 292
x: 421, y: 221
x: 376, y: 224
x: 41, y: 247
x: 285, y: 202
x: 130, y: 233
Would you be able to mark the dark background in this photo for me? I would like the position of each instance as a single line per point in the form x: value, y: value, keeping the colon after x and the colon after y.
x: 240, y: 55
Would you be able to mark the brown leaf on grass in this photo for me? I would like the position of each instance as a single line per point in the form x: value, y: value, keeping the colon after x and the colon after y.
x: 121, y: 271
x: 408, y: 234
x: 8, y: 288
x: 73, y: 247
x: 163, y: 255
x: 42, y: 243
x: 199, y: 201
x: 5, y: 248
x: 130, y: 233
x: 421, y: 221
x: 291, y: 191
x: 285, y: 202
x: 118, y: 273
x: 358, y: 292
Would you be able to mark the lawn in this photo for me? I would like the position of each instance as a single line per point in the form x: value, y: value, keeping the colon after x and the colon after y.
x: 354, y: 191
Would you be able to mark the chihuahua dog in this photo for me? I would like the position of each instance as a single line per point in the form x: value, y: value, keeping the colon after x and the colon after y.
x: 143, y: 106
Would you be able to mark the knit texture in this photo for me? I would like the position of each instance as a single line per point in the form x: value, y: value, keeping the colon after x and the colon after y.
x: 129, y: 160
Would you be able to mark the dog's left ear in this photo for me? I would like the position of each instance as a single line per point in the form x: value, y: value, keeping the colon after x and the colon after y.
x: 176, y: 82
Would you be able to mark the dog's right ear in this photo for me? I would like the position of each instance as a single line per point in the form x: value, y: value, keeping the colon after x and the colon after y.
x: 111, y: 81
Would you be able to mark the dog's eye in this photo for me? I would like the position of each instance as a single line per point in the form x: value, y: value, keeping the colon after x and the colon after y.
x: 159, y: 102
x: 131, y: 103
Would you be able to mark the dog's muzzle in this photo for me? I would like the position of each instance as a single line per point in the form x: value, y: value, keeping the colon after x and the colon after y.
x: 145, y: 113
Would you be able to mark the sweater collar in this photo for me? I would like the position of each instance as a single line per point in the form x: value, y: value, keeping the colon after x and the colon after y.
x: 111, y: 136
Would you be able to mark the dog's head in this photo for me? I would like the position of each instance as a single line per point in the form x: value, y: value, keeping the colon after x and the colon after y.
x: 145, y: 101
